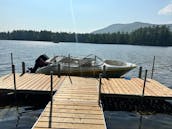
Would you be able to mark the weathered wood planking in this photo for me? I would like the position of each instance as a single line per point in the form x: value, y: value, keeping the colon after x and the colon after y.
x: 75, y: 106
x: 122, y: 86
x: 29, y: 82
x: 116, y: 86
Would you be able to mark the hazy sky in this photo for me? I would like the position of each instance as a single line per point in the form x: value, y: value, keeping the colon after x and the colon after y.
x: 80, y: 15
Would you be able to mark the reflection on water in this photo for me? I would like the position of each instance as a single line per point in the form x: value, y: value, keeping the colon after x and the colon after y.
x: 12, y: 117
x: 21, y: 112
x: 133, y: 120
x: 28, y: 51
x: 140, y: 122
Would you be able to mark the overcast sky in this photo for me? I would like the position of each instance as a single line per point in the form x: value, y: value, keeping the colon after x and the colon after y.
x: 80, y: 15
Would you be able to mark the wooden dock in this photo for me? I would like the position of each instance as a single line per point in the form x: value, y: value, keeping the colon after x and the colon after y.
x: 29, y: 82
x: 113, y: 86
x: 134, y: 88
x: 75, y: 106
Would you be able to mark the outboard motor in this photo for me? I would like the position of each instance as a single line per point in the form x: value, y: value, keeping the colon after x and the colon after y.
x: 40, y: 62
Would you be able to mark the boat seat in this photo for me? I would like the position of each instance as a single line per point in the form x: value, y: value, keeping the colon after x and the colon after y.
x: 85, y: 63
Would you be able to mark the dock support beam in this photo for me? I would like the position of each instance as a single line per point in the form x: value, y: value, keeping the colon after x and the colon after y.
x: 144, y: 83
x: 140, y: 72
x: 51, y: 103
x: 153, y: 67
x: 100, y: 85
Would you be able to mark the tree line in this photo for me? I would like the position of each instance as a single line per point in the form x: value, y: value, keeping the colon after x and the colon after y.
x: 154, y: 36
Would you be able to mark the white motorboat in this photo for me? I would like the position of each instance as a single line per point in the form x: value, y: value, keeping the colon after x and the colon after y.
x: 87, y: 66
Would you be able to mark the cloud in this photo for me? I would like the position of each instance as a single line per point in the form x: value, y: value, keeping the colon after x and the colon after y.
x: 167, y: 10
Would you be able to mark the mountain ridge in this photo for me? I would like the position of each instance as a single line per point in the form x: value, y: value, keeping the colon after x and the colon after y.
x: 119, y: 27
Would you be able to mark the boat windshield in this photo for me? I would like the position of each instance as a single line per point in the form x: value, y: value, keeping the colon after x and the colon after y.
x: 86, y: 61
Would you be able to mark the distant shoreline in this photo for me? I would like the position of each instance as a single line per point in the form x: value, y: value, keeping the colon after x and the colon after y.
x: 148, y: 36
x: 86, y: 43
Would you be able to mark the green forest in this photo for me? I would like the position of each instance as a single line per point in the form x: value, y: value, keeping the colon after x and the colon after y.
x: 152, y: 36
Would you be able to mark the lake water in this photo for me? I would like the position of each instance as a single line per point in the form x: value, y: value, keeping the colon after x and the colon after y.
x: 28, y: 51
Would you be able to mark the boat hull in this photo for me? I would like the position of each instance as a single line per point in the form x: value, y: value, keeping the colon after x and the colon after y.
x: 85, y: 71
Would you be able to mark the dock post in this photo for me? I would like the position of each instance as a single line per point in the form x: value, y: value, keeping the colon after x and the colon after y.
x: 51, y: 94
x: 153, y: 67
x: 104, y: 70
x: 144, y: 83
x: 59, y: 72
x: 95, y: 58
x: 140, y: 72
x: 94, y: 70
x: 14, y: 78
x: 100, y: 86
x: 11, y: 54
x: 51, y: 103
x: 69, y: 69
x: 23, y: 68
x: 11, y: 59
x: 69, y: 64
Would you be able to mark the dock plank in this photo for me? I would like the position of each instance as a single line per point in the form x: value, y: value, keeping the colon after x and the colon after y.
x: 75, y: 103
x: 134, y: 87
x: 117, y: 86
x: 29, y: 82
x: 75, y: 106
